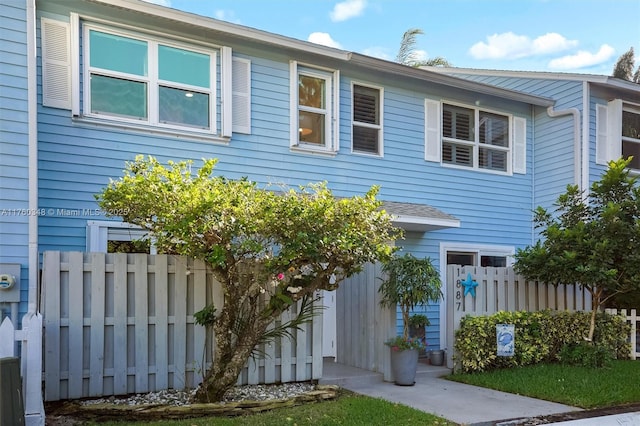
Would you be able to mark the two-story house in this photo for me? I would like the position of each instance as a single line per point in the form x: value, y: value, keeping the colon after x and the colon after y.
x: 88, y: 85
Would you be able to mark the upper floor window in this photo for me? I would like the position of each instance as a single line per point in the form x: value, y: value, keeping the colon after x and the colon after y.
x: 631, y: 135
x: 367, y: 123
x: 475, y: 138
x: 618, y: 132
x: 145, y: 80
x: 313, y: 101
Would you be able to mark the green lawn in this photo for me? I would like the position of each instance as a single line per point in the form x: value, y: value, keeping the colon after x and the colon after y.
x: 576, y: 386
x: 347, y: 409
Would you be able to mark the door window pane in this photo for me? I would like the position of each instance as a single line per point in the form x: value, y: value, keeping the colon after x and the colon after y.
x: 183, y: 107
x: 117, y: 53
x: 183, y: 66
x: 118, y: 96
x: 461, y: 258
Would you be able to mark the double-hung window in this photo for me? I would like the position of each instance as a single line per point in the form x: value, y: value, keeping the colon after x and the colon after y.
x: 313, y: 106
x: 475, y: 138
x: 618, y: 132
x: 141, y: 79
x: 367, y: 124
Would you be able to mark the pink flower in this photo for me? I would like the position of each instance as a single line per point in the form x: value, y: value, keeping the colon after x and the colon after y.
x: 281, y: 276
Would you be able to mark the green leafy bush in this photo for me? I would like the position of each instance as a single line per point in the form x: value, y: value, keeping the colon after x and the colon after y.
x: 585, y: 354
x: 539, y: 337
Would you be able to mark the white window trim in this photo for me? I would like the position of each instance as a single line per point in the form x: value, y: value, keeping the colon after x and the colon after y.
x: 332, y: 77
x: 151, y: 79
x: 379, y: 127
x: 476, y: 143
x: 98, y: 234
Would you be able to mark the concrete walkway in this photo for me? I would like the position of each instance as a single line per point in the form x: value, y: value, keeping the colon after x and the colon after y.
x: 460, y: 403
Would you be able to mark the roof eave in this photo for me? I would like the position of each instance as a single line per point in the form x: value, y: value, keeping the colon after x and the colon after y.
x: 423, y: 224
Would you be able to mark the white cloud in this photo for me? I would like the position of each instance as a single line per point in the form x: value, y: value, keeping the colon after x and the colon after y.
x: 513, y: 46
x: 226, y: 15
x: 583, y: 59
x: 323, y: 39
x: 166, y: 3
x: 347, y: 9
x: 378, y: 52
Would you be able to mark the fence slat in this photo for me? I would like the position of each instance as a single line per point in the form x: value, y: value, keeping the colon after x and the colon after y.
x: 141, y: 320
x: 161, y: 326
x: 120, y: 348
x: 51, y: 293
x: 180, y: 324
x: 199, y: 332
x: 96, y: 360
x: 301, y: 348
x: 76, y: 325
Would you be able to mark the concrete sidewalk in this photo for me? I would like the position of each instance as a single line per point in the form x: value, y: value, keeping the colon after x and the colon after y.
x: 457, y: 402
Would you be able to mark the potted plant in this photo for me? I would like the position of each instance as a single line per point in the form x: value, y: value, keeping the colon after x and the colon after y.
x: 417, y: 328
x: 408, y: 282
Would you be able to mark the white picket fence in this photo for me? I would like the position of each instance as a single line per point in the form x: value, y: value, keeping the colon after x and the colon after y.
x: 123, y: 323
x: 30, y: 340
x: 632, y: 319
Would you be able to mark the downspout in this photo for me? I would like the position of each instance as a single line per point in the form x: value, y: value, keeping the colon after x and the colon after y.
x: 577, y: 152
x: 32, y: 113
x: 585, y: 137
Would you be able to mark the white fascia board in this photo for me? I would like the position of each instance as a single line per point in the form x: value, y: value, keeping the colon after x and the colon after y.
x: 417, y: 223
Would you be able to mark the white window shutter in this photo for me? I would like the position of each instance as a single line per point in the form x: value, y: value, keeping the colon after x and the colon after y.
x: 601, y: 135
x: 293, y: 103
x: 519, y: 145
x: 56, y: 64
x: 432, y: 140
x: 241, y: 95
x: 226, y: 97
x: 614, y: 130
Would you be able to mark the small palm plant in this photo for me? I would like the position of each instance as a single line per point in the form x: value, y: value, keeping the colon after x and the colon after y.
x: 409, y: 282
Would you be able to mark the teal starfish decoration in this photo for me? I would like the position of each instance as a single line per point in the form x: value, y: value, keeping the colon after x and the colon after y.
x: 469, y: 285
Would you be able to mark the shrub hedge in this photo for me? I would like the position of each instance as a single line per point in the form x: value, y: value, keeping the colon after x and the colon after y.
x: 539, y: 337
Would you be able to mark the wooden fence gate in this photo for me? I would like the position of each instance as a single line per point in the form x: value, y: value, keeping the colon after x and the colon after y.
x: 123, y: 323
x: 480, y: 291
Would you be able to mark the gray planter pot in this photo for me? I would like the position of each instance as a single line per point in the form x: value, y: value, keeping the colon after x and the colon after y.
x: 436, y: 357
x: 404, y: 365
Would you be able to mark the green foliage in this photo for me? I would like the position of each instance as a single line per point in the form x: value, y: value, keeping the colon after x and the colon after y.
x: 591, y: 241
x: 407, y: 54
x: 419, y: 320
x: 585, y: 354
x: 269, y: 248
x: 409, y: 282
x: 206, y: 316
x: 400, y: 343
x: 539, y: 337
x: 623, y: 68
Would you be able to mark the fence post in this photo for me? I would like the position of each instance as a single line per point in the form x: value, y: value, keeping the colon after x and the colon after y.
x: 32, y: 369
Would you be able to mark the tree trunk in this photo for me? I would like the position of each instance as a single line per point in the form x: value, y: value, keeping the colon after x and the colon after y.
x: 229, y: 359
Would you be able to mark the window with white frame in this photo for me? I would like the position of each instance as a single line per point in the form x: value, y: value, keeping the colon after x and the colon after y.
x: 313, y: 108
x: 141, y: 79
x: 366, y: 118
x: 631, y: 135
x: 117, y: 237
x: 618, y: 132
x: 475, y: 138
x: 133, y: 78
x: 464, y: 136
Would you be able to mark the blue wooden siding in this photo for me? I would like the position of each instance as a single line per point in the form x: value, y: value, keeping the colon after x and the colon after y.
x: 14, y: 124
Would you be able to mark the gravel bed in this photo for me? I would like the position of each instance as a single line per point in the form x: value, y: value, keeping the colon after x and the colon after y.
x: 235, y: 394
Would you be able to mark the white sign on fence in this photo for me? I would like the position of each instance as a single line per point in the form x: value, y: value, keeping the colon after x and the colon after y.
x: 505, y: 339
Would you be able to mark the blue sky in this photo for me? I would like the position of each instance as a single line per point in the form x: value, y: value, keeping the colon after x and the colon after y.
x: 583, y: 36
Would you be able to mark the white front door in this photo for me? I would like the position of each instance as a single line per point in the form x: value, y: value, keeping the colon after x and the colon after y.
x: 329, y: 324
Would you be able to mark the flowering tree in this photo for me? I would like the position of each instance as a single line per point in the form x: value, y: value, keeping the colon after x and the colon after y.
x: 282, y: 245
